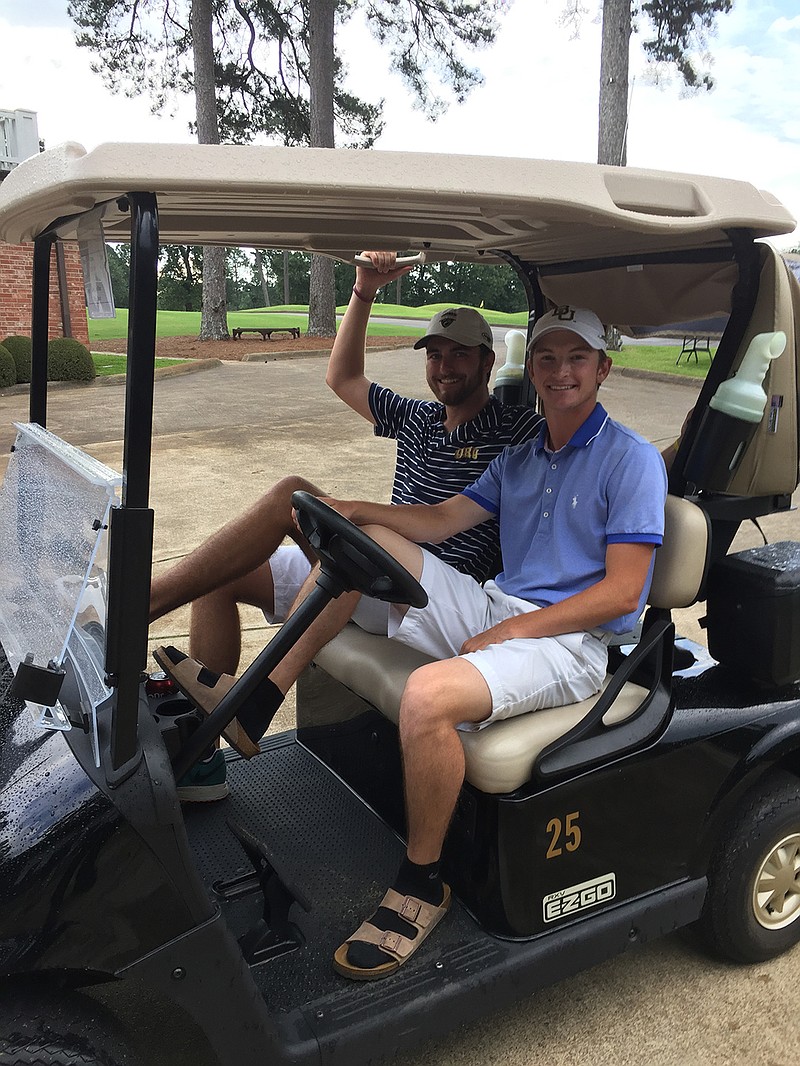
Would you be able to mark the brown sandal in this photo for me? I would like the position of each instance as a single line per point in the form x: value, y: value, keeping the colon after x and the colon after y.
x: 423, y: 916
x: 186, y: 672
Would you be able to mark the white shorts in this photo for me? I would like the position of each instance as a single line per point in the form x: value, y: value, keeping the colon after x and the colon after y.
x: 522, y: 674
x: 290, y: 568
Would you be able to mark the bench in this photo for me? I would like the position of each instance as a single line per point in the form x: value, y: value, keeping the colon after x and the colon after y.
x: 501, y: 758
x: 266, y: 334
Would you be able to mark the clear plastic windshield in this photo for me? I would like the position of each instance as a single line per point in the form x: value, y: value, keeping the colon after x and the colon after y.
x: 54, y: 510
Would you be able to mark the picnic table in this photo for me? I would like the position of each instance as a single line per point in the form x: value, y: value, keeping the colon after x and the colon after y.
x: 692, y: 345
x: 266, y: 333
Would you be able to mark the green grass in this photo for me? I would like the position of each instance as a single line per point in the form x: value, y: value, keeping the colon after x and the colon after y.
x: 107, y: 363
x: 494, y: 318
x: 300, y: 309
x: 661, y: 358
x: 386, y: 329
x: 178, y: 324
x: 187, y: 324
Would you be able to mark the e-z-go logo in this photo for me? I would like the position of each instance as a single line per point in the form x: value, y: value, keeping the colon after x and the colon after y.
x: 579, y: 897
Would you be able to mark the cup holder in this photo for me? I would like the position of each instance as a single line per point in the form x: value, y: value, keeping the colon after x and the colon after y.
x: 177, y: 720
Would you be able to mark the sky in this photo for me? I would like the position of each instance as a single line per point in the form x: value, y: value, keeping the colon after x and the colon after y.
x: 538, y: 98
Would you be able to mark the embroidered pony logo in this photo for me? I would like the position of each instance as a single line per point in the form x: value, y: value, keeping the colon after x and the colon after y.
x: 574, y: 502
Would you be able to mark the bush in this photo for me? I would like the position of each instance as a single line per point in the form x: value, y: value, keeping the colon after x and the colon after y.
x: 8, y: 372
x: 69, y: 360
x: 20, y: 348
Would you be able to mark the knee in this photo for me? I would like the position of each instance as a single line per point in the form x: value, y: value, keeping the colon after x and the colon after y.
x: 273, y: 510
x: 283, y: 489
x: 422, y: 711
x: 404, y: 551
x: 380, y: 534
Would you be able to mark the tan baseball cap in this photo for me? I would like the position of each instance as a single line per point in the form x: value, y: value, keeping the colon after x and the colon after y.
x: 464, y: 325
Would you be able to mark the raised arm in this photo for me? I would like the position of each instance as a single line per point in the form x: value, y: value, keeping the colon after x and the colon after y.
x: 346, y: 365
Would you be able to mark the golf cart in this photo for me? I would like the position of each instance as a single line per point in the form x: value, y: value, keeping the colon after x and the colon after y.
x: 668, y: 800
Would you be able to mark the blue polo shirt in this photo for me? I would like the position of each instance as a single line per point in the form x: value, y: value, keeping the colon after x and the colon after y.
x: 559, y: 510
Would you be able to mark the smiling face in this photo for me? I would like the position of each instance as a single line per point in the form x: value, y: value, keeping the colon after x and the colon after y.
x: 567, y: 372
x: 456, y: 372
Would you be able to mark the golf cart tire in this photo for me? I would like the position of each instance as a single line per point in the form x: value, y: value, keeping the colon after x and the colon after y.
x: 40, y: 1031
x: 736, y: 924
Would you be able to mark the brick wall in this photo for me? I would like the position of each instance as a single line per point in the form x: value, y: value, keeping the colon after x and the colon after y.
x: 16, y: 271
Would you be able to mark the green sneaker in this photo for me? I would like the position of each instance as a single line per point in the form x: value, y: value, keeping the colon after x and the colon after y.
x: 205, y: 781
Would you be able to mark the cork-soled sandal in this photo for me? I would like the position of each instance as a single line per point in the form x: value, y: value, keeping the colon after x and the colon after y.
x: 205, y: 689
x: 423, y: 916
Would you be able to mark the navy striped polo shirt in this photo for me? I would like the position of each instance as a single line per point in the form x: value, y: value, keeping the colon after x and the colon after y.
x: 433, y: 465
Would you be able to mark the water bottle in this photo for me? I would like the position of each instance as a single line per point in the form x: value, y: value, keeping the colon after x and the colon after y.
x: 733, y: 413
x: 510, y: 377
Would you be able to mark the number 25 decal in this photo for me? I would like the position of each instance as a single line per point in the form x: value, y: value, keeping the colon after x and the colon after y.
x: 571, y: 834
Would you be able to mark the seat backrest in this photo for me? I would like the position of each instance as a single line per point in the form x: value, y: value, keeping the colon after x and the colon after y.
x: 682, y: 559
x: 770, y: 462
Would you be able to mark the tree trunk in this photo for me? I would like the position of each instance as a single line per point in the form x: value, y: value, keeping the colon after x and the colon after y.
x: 214, y: 319
x: 262, y: 276
x: 613, y: 124
x: 322, y: 299
x: 286, y: 290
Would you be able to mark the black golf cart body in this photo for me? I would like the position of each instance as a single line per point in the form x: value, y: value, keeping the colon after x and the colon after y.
x: 579, y: 833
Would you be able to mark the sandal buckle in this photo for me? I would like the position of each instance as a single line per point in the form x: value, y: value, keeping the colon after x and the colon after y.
x: 410, y: 908
x: 391, y: 941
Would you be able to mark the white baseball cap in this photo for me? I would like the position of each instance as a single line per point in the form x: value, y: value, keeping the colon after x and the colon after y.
x: 464, y: 325
x: 577, y: 320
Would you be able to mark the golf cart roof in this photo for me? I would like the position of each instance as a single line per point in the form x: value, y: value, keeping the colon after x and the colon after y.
x: 339, y: 201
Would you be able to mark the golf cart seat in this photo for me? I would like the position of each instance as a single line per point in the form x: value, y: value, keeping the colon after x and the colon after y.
x: 502, y: 757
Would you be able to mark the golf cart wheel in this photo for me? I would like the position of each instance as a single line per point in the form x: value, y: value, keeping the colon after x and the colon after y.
x: 68, y: 1031
x: 752, y: 910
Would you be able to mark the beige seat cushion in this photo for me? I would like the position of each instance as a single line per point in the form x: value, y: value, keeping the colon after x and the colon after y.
x: 499, y: 758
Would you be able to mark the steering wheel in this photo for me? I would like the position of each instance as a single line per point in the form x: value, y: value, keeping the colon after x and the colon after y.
x: 352, y: 558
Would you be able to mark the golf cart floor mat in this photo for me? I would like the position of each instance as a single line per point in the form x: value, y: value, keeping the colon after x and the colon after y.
x: 339, y: 853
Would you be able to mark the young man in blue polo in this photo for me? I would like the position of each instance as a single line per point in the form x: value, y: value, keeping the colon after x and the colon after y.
x: 581, y: 511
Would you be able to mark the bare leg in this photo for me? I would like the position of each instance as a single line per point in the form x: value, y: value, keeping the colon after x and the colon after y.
x: 436, y: 698
x: 237, y: 549
x: 338, y: 612
x: 215, y: 633
x: 323, y: 629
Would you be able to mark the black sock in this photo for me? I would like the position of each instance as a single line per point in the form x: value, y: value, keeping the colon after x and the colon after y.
x: 259, y: 709
x: 425, y: 883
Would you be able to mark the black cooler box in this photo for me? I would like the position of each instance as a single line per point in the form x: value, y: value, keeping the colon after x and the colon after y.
x: 753, y: 612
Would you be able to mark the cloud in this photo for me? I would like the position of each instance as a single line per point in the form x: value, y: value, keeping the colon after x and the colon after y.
x: 783, y: 25
x: 44, y: 71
